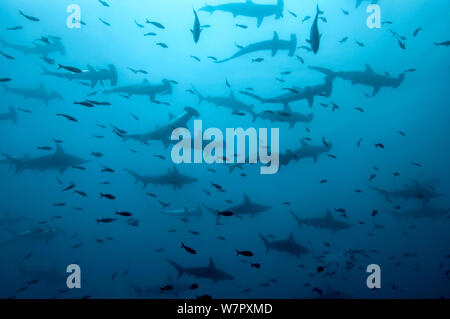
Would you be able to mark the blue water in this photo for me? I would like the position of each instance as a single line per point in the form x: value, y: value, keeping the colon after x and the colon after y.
x: 412, y: 252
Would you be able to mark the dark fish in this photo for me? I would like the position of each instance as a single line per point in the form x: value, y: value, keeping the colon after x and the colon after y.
x: 104, y: 3
x: 293, y: 14
x: 164, y: 204
x: 28, y: 17
x: 344, y: 12
x: 245, y: 253
x: 5, y: 79
x: 195, y: 58
x: 196, y: 30
x: 108, y: 196
x: 72, y: 185
x: 416, y: 164
x: 320, y: 269
x: 156, y: 24
x: 416, y: 32
x: 84, y: 103
x: 225, y: 213
x: 107, y: 170
x: 149, y: 34
x: 9, y: 57
x: 217, y: 186
x: 379, y: 145
x: 227, y: 84
x: 374, y: 213
x: 258, y: 60
x: 14, y: 28
x: 359, y: 109
x: 70, y: 118
x: 140, y: 26
x: 242, y: 26
x: 126, y: 214
x: 59, y: 204
x: 193, y: 286
x: 193, y: 232
x: 212, y: 58
x: 343, y: 40
x: 188, y: 249
x: 44, y: 148
x: 151, y: 194
x: 300, y: 58
x: 104, y: 22
x: 81, y: 193
x: 255, y: 265
x: 360, y: 43
x: 106, y: 220
x: 163, y: 45
x: 69, y: 68
x: 97, y: 154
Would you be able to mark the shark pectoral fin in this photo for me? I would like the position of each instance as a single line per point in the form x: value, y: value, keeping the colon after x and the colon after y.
x: 310, y: 101
x: 259, y: 21
x: 376, y: 89
x: 274, y: 51
x: 93, y: 83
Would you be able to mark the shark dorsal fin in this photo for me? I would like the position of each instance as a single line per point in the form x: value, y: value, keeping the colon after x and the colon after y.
x: 369, y: 69
x: 291, y: 237
x: 90, y: 68
x: 287, y: 108
x: 211, y: 264
x: 145, y: 81
x: 246, y: 199
x: 275, y: 36
x: 59, y: 149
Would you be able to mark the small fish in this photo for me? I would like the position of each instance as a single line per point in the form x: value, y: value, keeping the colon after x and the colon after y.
x: 227, y: 84
x: 106, y: 220
x: 156, y: 24
x: 372, y: 177
x: 379, y: 145
x: 28, y: 17
x: 416, y: 32
x: 188, y: 249
x: 293, y: 14
x: 14, y: 28
x: 69, y: 68
x: 44, y: 148
x: 193, y: 286
x: 300, y: 58
x: 258, y: 60
x: 212, y: 58
x: 126, y: 214
x: 359, y: 109
x: 343, y: 40
x: 374, y: 213
x: 195, y: 58
x: 360, y: 44
x: 108, y: 196
x: 9, y: 57
x: 416, y: 164
x: 225, y: 213
x: 5, y: 79
x: 193, y: 232
x: 104, y: 22
x: 70, y: 118
x: 84, y: 103
x: 81, y: 193
x: 306, y: 18
x: 245, y: 253
x: 97, y: 154
x: 402, y: 44
x: 104, y: 3
x: 242, y: 26
x: 162, y: 45
x: 344, y: 12
x: 149, y: 34
x: 140, y: 26
x: 238, y: 46
x: 217, y: 186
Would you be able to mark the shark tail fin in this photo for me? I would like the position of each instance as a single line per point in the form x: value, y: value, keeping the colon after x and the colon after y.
x: 266, y: 242
x: 15, y: 162
x: 113, y: 71
x: 399, y: 81
x: 318, y: 10
x: 13, y: 114
x: 299, y: 221
x: 201, y: 98
x: 178, y: 267
x: 214, y: 212
x: 293, y: 44
x: 135, y: 175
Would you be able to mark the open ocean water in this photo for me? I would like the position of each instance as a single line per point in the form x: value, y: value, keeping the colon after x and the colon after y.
x: 363, y: 149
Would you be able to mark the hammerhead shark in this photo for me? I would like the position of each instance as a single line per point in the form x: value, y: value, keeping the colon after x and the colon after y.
x: 246, y: 208
x: 164, y: 132
x: 90, y: 74
x: 249, y: 9
x: 286, y: 116
x: 40, y: 49
x: 272, y: 45
x: 59, y: 161
x: 305, y: 151
x: 325, y: 222
x: 230, y: 102
x: 10, y: 115
x: 415, y: 191
x: 209, y: 272
x: 33, y: 234
x: 145, y: 88
x: 367, y: 77
x: 296, y: 94
x: 34, y: 93
x: 172, y: 177
x: 289, y: 246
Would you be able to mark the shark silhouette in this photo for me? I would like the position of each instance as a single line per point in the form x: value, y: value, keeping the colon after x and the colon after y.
x: 325, y: 222
x: 145, y: 88
x: 10, y: 115
x: 34, y: 93
x: 209, y: 272
x: 59, y: 161
x: 40, y: 49
x: 367, y: 77
x: 90, y: 74
x: 308, y: 93
x: 289, y: 246
x: 272, y: 45
x: 249, y: 9
x: 173, y: 177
